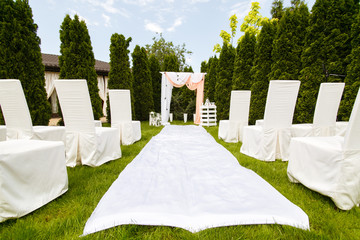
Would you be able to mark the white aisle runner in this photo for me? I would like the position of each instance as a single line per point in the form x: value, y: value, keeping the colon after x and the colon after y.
x: 184, y: 178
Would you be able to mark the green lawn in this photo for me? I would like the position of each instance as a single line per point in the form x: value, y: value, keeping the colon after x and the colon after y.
x: 65, y: 217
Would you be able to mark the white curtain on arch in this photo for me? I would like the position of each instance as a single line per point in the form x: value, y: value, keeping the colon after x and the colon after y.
x: 103, y: 91
x: 178, y: 79
x: 50, y: 77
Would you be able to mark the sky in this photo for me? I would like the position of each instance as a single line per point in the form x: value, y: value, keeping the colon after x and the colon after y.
x: 195, y: 23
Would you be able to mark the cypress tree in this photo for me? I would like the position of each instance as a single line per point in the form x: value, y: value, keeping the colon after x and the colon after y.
x: 120, y: 73
x: 156, y: 82
x: 188, y: 69
x: 277, y: 10
x: 211, y: 78
x: 204, y: 66
x: 327, y: 44
x: 171, y: 64
x: 289, y: 43
x: 261, y: 70
x: 143, y: 95
x: 20, y: 56
x: 244, y: 62
x: 224, y: 83
x: 77, y: 58
x: 352, y: 80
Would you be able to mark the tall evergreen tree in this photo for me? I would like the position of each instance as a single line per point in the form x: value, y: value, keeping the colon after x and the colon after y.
x: 171, y: 64
x: 224, y: 83
x: 204, y: 66
x: 261, y: 70
x: 20, y: 56
x: 277, y: 10
x: 77, y: 58
x: 188, y: 69
x: 352, y: 80
x: 326, y: 46
x: 156, y: 81
x: 289, y: 43
x: 143, y: 95
x: 120, y: 73
x: 244, y: 62
x: 211, y: 78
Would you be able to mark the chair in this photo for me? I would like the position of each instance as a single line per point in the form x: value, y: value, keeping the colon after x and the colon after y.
x: 327, y: 105
x: 158, y: 119
x: 97, y: 123
x: 341, y: 127
x: 2, y: 133
x: 33, y: 173
x: 120, y: 108
x: 152, y: 119
x: 17, y: 116
x: 330, y: 165
x: 271, y: 140
x: 231, y: 130
x: 85, y: 143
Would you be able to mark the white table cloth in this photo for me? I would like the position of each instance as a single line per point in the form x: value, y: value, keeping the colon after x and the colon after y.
x: 184, y: 178
x: 33, y: 173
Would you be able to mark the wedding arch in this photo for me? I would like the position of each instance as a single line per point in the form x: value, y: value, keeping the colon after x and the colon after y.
x: 178, y: 79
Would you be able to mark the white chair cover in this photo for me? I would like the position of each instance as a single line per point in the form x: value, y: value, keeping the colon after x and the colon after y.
x: 272, y: 139
x: 231, y: 130
x: 259, y: 122
x: 120, y: 107
x: 33, y: 173
x: 17, y: 116
x: 341, y: 127
x: 327, y: 105
x: 152, y: 120
x: 97, y: 123
x: 2, y: 133
x: 330, y: 165
x: 85, y: 143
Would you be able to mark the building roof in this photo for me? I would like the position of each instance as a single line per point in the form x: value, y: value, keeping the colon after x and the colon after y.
x: 51, y: 62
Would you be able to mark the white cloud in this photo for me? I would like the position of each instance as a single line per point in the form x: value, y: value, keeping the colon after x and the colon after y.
x: 52, y: 2
x: 82, y: 18
x: 240, y: 9
x: 198, y: 1
x: 138, y: 2
x: 106, y: 20
x: 108, y: 6
x: 153, y: 27
x: 178, y: 22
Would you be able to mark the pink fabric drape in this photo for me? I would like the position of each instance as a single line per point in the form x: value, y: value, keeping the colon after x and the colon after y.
x: 199, y: 86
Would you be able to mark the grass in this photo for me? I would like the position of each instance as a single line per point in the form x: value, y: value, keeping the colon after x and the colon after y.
x: 65, y: 217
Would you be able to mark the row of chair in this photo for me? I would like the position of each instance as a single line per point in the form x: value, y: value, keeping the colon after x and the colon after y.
x: 322, y: 155
x: 33, y: 159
